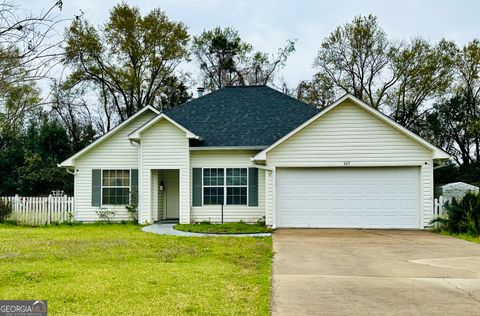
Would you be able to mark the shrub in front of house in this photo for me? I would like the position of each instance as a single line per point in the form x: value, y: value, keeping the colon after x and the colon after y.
x: 5, y: 210
x: 463, y: 215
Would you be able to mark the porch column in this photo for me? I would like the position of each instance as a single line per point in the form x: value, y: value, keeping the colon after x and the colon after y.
x: 185, y: 192
x: 144, y: 211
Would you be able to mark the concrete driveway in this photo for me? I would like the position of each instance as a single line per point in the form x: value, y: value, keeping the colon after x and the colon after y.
x: 374, y: 272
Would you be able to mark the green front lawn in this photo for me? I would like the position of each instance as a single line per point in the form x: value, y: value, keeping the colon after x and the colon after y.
x: 227, y: 228
x: 117, y: 269
x: 467, y: 237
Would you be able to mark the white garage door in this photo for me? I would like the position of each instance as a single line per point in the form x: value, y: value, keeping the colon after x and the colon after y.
x: 348, y: 197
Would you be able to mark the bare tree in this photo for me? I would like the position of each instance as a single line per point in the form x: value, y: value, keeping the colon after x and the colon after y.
x: 225, y: 59
x: 130, y: 60
x: 27, y: 54
x: 354, y: 58
x: 71, y: 107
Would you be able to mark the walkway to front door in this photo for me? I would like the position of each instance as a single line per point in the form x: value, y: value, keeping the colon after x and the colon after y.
x: 374, y: 272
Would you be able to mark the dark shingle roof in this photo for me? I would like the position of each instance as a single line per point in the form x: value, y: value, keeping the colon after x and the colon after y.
x: 242, y: 116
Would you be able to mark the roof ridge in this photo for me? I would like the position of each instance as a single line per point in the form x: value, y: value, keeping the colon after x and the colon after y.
x: 242, y: 116
x: 245, y: 86
x: 189, y: 102
x: 297, y: 100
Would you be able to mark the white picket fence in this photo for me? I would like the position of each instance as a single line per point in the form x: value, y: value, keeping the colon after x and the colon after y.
x: 41, y: 210
x: 439, y: 207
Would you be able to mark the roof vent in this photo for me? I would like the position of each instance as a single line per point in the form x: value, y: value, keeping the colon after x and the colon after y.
x: 200, y: 91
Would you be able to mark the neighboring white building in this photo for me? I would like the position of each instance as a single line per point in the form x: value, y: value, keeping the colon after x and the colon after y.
x: 265, y: 155
x: 456, y: 190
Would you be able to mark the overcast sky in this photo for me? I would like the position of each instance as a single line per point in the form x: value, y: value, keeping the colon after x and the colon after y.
x: 268, y: 24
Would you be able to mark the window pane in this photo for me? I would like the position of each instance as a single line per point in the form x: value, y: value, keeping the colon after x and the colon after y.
x: 230, y: 176
x: 115, y: 196
x: 213, y: 195
x: 237, y: 195
x: 119, y: 178
x: 243, y: 176
x: 220, y: 176
x: 106, y: 177
x: 236, y: 199
x: 212, y: 176
x: 236, y: 176
x: 125, y: 176
x: 243, y: 200
x: 206, y: 180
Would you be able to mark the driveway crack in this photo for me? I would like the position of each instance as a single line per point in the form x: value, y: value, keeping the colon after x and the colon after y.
x: 473, y: 297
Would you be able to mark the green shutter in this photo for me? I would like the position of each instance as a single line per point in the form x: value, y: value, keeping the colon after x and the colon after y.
x: 197, y: 187
x: 134, y: 187
x: 252, y: 187
x: 96, y: 187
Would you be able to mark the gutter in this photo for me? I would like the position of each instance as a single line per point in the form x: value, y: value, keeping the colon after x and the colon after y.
x: 262, y: 167
x: 441, y: 165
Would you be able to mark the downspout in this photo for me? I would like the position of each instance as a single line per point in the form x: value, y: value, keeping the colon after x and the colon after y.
x: 273, y: 180
x: 274, y: 198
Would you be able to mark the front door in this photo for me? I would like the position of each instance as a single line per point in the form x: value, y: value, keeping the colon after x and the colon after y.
x: 172, y: 194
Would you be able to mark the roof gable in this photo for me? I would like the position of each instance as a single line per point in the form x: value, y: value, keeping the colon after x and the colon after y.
x: 70, y: 161
x: 437, y: 152
x: 135, y: 135
x: 247, y: 116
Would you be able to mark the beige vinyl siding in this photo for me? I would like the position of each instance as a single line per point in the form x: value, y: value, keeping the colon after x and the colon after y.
x: 350, y: 135
x: 164, y: 146
x: 116, y: 152
x: 228, y: 159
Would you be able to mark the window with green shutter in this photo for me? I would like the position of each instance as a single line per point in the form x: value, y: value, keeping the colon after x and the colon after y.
x: 228, y: 186
x: 115, y: 187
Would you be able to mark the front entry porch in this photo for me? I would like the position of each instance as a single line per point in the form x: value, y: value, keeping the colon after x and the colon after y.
x: 165, y: 195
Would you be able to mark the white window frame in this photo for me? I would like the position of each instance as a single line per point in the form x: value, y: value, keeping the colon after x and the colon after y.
x: 224, y: 186
x: 116, y: 186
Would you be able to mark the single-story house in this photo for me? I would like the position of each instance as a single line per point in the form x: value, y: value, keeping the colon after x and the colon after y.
x: 262, y: 155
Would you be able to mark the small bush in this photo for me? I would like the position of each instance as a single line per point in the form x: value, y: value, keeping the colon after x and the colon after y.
x: 105, y: 215
x: 132, y: 212
x: 5, y: 210
x: 261, y: 221
x: 132, y: 208
x: 463, y: 216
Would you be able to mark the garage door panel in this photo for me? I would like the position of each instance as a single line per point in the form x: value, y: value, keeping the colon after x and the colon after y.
x: 337, y: 204
x: 372, y: 203
x: 409, y: 204
x: 348, y: 197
